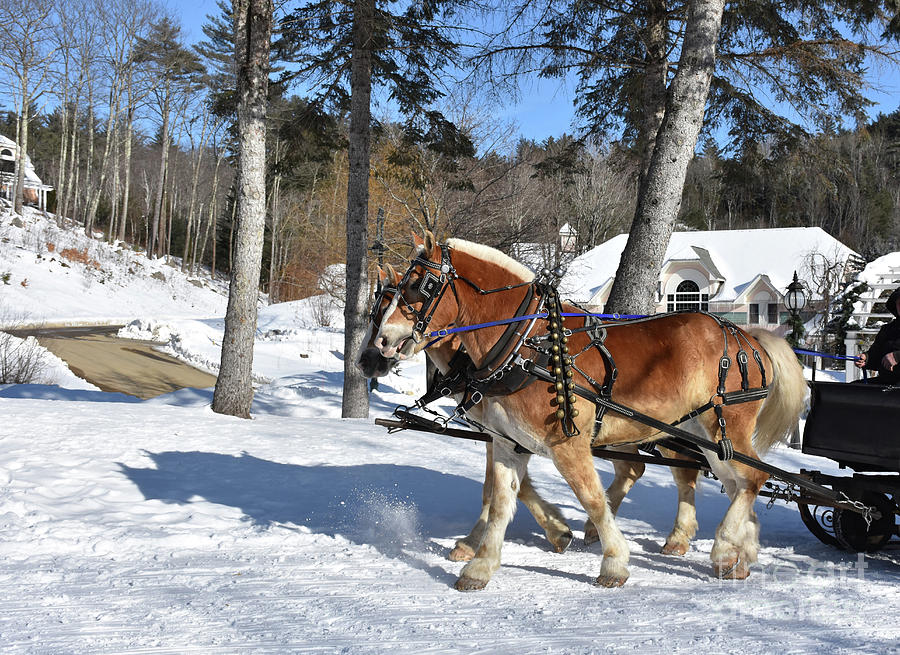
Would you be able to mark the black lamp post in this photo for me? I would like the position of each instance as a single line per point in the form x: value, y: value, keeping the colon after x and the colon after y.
x: 795, y: 300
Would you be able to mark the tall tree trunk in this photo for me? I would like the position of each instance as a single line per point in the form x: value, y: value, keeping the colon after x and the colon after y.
x: 276, y: 184
x: 192, y: 267
x: 129, y: 126
x: 355, y: 403
x: 252, y: 36
x: 193, y: 200
x: 114, y: 217
x: 659, y: 195
x: 89, y: 172
x: 76, y: 181
x: 97, y: 191
x: 653, y: 84
x: 63, y: 152
x: 170, y: 223
x: 20, y: 159
x: 73, y: 182
x: 211, y: 219
x: 163, y: 163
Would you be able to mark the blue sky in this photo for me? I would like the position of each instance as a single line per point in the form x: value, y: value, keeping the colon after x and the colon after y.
x: 545, y: 108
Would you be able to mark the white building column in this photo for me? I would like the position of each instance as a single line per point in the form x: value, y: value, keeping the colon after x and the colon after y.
x: 851, y: 345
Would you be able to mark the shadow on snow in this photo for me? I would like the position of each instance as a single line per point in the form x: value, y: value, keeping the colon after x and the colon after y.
x: 396, y: 509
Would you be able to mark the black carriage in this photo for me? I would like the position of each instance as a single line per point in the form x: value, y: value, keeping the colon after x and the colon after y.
x: 857, y: 426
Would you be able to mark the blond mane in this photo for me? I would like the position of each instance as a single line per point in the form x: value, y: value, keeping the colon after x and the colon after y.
x: 492, y: 255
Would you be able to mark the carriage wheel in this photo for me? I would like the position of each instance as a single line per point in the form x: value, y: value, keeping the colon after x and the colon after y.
x: 820, y: 521
x: 853, y: 534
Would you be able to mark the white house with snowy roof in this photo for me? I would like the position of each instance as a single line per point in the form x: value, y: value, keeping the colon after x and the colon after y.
x: 741, y: 275
x: 35, y: 191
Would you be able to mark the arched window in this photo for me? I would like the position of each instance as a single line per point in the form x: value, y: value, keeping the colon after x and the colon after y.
x: 6, y: 153
x: 687, y: 297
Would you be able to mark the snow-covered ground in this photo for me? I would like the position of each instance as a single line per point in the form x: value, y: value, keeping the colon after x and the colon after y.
x: 161, y: 527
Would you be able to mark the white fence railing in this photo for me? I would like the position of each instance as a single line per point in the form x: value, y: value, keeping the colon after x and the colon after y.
x: 887, y: 281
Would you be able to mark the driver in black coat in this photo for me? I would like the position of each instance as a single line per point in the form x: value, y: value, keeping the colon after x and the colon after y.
x: 884, y: 355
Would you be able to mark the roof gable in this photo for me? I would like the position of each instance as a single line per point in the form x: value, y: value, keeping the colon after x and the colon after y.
x: 738, y: 257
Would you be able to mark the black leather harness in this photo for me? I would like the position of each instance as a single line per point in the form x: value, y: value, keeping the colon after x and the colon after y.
x: 505, y: 370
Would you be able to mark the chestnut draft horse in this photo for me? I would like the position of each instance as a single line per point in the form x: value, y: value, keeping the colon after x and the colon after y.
x: 372, y: 362
x: 667, y: 368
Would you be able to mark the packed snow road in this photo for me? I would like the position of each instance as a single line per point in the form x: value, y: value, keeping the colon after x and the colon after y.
x: 129, y: 366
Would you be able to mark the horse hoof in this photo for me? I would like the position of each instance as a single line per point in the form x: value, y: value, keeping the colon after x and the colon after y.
x: 461, y: 553
x: 562, y: 542
x: 735, y: 569
x: 610, y: 581
x: 470, y: 584
x: 674, y: 548
x: 591, y: 536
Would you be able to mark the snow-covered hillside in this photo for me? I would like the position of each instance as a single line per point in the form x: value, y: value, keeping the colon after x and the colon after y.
x: 161, y: 527
x: 56, y: 275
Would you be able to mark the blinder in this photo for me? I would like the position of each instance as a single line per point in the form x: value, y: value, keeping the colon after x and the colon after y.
x: 431, y: 287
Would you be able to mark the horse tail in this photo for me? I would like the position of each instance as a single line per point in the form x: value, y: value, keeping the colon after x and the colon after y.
x: 787, y: 393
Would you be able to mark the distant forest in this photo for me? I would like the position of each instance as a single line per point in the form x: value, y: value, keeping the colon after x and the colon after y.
x: 846, y: 182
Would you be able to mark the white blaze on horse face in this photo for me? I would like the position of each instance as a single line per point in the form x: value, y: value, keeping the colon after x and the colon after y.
x: 383, y: 340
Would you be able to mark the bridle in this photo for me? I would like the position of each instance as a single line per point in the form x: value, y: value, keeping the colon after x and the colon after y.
x: 436, y: 278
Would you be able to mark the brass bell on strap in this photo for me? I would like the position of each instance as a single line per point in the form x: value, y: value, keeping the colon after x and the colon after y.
x: 560, y: 414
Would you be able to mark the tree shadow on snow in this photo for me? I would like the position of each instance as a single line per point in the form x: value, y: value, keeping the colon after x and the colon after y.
x: 53, y: 392
x: 397, y: 510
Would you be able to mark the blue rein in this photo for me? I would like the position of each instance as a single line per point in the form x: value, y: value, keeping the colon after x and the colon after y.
x: 437, y: 335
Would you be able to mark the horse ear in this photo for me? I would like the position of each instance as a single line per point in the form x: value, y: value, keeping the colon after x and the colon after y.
x: 418, y: 241
x: 430, y: 242
x: 392, y: 274
x: 382, y: 273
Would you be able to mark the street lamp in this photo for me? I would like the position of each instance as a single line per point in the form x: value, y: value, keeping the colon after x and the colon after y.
x: 795, y: 300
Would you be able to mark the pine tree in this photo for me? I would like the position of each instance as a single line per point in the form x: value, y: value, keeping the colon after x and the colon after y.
x: 343, y: 50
